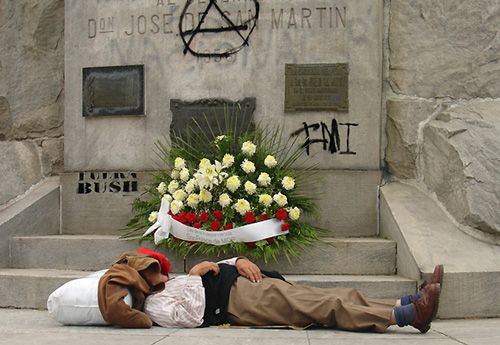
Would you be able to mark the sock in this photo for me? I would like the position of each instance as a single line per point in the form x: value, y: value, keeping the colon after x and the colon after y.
x: 408, y: 299
x: 405, y: 314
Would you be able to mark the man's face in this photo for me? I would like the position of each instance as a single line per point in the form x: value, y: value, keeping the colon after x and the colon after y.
x: 153, y: 277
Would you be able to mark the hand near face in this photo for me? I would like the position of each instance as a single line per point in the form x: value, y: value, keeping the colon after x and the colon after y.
x: 203, y: 268
x: 249, y: 270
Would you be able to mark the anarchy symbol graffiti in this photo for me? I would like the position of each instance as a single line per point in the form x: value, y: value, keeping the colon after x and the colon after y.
x: 216, y: 21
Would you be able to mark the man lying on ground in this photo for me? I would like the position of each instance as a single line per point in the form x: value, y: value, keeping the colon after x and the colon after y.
x: 237, y: 292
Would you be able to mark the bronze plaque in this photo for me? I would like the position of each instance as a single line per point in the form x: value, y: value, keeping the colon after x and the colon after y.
x: 316, y: 87
x: 201, y: 121
x: 116, y: 90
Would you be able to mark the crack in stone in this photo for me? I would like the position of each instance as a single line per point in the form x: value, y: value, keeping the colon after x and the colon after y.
x: 450, y: 337
x: 419, y: 164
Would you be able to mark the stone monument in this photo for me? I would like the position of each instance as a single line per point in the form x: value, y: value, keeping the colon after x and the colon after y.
x: 313, y: 67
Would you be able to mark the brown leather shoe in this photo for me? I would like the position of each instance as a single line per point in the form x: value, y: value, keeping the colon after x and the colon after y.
x: 437, y: 277
x: 426, y: 307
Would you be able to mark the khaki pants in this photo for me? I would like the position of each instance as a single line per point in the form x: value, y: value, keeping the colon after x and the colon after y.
x: 275, y: 302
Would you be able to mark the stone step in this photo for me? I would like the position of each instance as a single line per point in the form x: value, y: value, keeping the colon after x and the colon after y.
x: 30, y: 288
x: 94, y: 252
x: 427, y: 236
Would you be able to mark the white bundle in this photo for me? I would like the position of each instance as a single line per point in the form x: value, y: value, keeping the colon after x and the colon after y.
x: 76, y: 302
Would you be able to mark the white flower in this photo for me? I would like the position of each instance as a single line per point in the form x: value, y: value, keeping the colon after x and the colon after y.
x: 184, y: 174
x: 203, y: 163
x: 250, y: 187
x: 264, y: 179
x: 288, y: 182
x: 242, y: 206
x: 248, y: 148
x: 162, y: 188
x: 294, y: 213
x: 180, y: 195
x: 224, y: 200
x: 280, y: 199
x: 173, y: 186
x: 176, y: 206
x: 179, y: 163
x: 207, y: 176
x: 174, y: 174
x: 191, y: 185
x: 193, y: 200
x: 265, y: 199
x: 153, y: 216
x: 219, y: 167
x: 219, y: 138
x: 248, y: 166
x: 233, y: 183
x: 270, y: 161
x: 205, y: 195
x: 227, y: 160
x: 167, y: 197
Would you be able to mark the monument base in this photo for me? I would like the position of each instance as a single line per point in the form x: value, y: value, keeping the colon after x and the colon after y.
x: 100, y: 202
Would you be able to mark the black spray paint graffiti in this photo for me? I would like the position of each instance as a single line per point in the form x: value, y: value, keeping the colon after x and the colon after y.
x: 243, y: 30
x: 107, y: 182
x: 330, y: 137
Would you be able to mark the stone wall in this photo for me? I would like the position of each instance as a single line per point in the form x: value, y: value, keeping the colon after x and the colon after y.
x: 443, y: 104
x: 31, y: 93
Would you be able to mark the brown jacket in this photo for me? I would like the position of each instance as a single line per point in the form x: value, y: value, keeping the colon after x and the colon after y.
x: 122, y: 277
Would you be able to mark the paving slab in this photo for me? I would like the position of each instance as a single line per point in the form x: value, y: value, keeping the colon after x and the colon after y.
x: 36, y: 327
x: 80, y: 339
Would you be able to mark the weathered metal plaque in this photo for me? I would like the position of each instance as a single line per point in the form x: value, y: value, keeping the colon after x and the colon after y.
x: 116, y: 90
x: 201, y: 121
x: 316, y: 87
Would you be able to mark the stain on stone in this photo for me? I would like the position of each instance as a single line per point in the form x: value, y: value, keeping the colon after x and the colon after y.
x: 5, y: 119
x: 51, y: 26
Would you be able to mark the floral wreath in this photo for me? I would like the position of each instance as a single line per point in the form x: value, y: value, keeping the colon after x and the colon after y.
x: 238, y: 194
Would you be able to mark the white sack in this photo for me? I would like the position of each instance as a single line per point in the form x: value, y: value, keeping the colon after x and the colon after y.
x: 76, y: 303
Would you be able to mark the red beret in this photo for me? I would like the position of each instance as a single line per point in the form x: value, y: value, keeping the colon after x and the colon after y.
x: 165, y: 264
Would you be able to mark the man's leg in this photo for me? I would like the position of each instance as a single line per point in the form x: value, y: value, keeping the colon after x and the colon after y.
x: 275, y: 302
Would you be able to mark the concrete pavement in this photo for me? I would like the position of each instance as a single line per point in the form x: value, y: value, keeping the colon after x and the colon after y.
x: 22, y: 327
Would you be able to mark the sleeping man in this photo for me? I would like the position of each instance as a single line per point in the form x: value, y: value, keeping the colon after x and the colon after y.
x: 235, y: 291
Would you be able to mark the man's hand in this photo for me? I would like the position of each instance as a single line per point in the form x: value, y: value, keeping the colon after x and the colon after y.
x: 249, y: 270
x: 203, y: 268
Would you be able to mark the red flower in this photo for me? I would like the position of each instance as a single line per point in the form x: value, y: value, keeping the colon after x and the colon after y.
x: 182, y: 218
x: 249, y: 217
x: 215, y: 225
x: 281, y: 214
x: 285, y: 226
x: 228, y: 226
x: 191, y: 217
x: 270, y: 240
x: 218, y: 214
x: 197, y: 225
x: 251, y: 245
x: 263, y: 217
x: 204, y: 217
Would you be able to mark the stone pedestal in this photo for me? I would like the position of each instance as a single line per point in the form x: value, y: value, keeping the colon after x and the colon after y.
x: 186, y: 61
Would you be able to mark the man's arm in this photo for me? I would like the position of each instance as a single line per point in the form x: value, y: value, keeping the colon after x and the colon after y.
x: 245, y: 267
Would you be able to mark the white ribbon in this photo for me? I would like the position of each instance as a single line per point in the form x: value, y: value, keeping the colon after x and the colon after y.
x: 166, y: 225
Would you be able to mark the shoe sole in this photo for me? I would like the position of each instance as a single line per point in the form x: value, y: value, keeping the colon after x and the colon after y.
x: 439, y: 269
x: 436, y: 306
